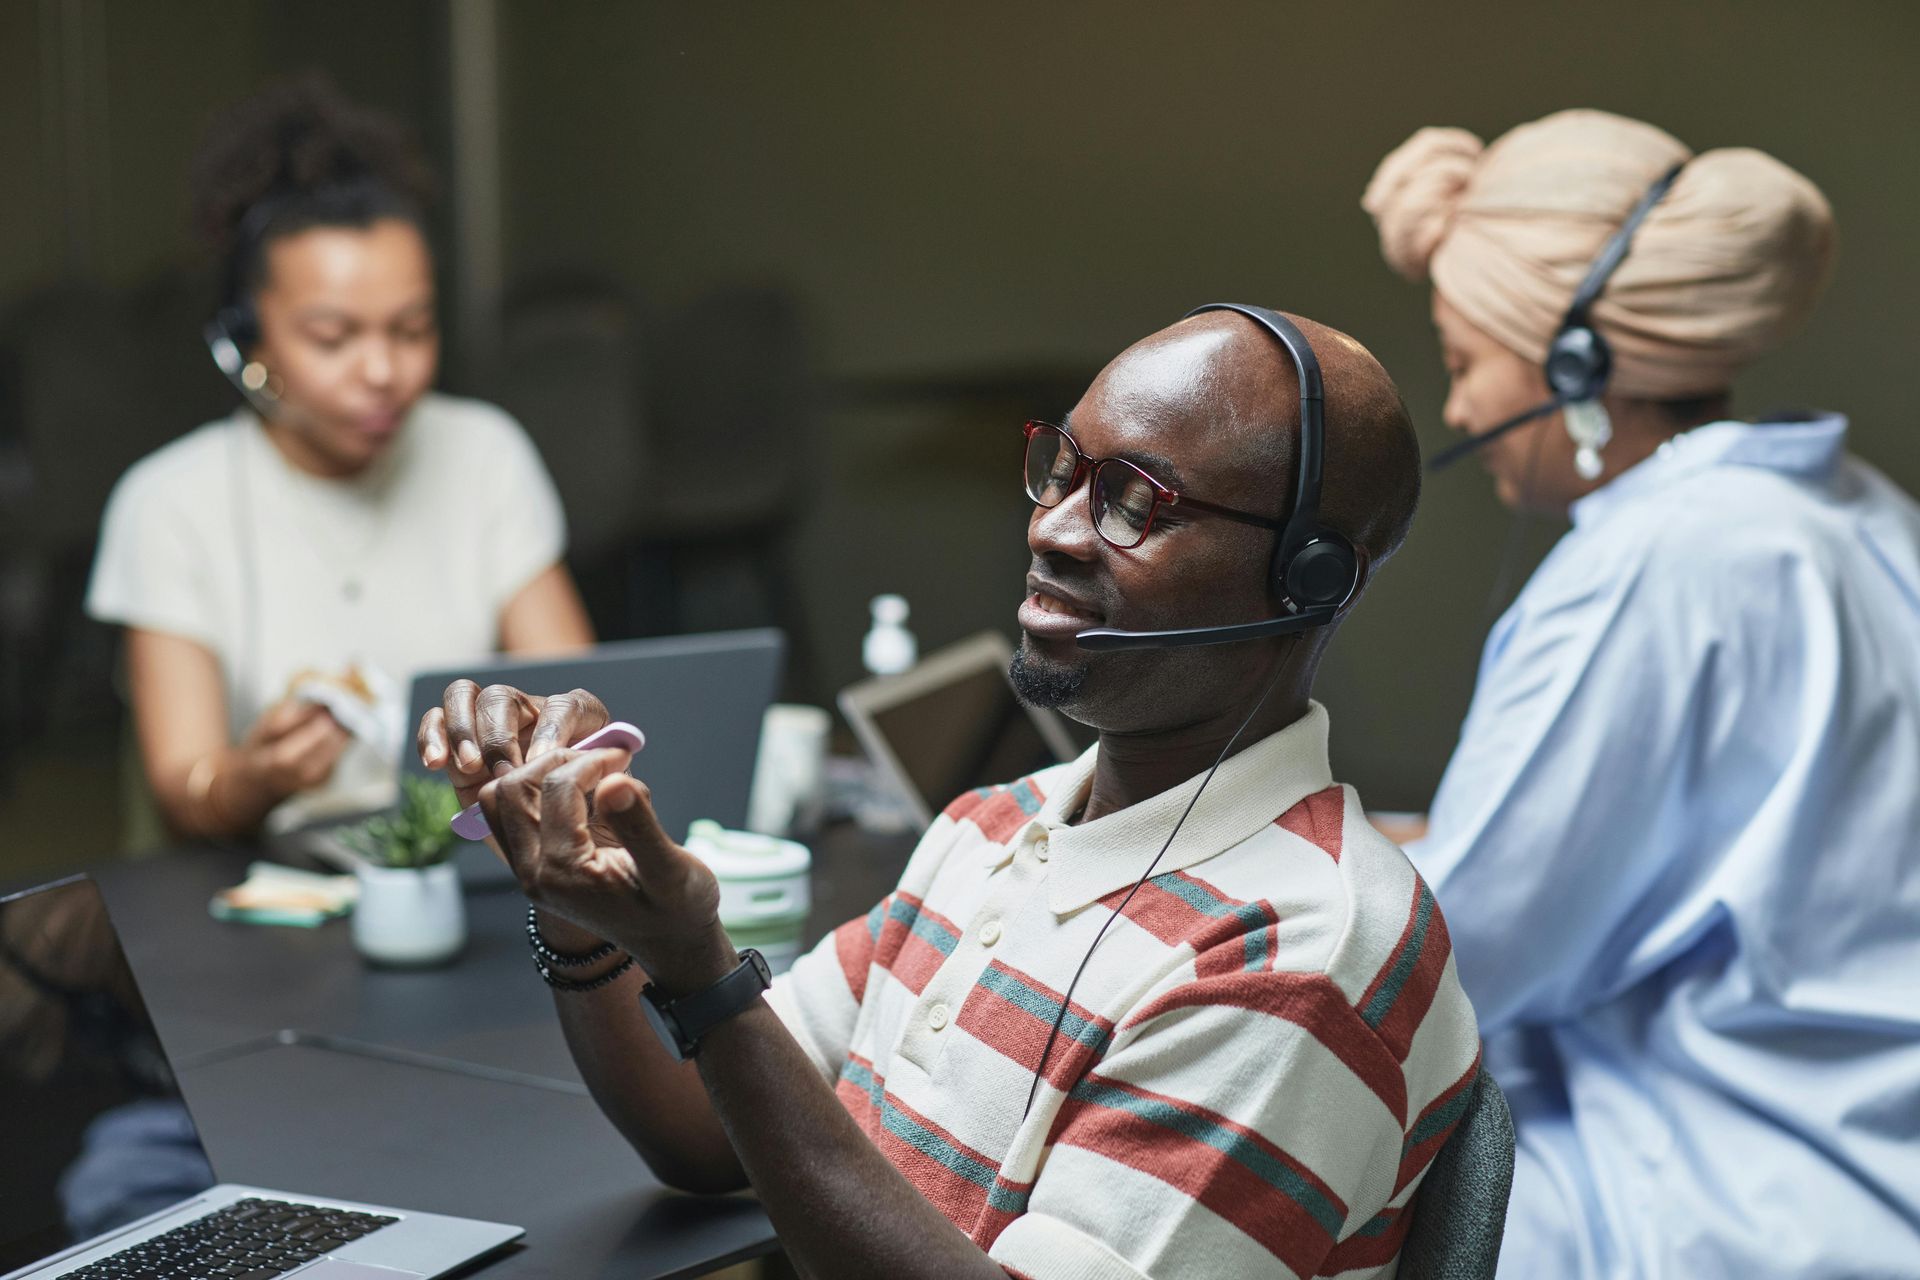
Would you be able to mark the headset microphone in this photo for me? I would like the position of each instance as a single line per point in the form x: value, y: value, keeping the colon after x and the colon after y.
x: 1454, y: 452
x: 1102, y: 639
x: 1314, y: 570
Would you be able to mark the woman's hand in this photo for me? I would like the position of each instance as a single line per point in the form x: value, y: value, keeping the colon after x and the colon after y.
x: 292, y: 747
x: 477, y: 734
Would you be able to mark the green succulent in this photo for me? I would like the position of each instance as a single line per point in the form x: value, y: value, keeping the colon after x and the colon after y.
x: 415, y: 833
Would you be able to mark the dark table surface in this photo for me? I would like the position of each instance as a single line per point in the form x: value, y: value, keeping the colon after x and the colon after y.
x: 448, y: 1089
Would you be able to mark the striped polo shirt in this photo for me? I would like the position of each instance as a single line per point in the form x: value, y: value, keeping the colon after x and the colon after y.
x: 1262, y: 1057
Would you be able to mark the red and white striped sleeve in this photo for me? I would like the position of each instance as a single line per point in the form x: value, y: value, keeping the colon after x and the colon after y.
x: 818, y: 999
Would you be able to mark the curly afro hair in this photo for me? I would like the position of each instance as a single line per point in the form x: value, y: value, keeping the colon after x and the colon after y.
x: 297, y: 155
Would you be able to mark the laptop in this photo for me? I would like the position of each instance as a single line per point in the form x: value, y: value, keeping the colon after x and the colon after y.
x: 952, y: 724
x: 104, y: 1173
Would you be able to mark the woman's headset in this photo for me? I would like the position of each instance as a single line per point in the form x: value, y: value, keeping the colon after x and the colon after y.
x: 235, y: 327
x: 1579, y: 362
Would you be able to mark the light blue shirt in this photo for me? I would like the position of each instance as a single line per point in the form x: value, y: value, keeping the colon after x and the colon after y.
x: 1678, y: 849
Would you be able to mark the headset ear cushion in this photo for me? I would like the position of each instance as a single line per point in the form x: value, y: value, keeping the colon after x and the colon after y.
x: 1321, y: 573
x: 1578, y: 364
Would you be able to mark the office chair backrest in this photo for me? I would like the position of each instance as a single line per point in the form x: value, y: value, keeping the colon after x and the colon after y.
x: 733, y: 442
x: 1460, y: 1210
x: 572, y: 370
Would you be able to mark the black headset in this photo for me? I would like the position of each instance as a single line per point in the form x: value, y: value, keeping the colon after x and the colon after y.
x: 1579, y: 362
x: 235, y: 327
x: 1314, y: 570
x: 227, y: 336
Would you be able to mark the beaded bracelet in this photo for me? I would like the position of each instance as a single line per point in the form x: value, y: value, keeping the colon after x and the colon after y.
x: 560, y: 983
x: 547, y: 956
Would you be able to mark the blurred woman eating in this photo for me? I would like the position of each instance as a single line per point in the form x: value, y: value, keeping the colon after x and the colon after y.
x: 282, y: 571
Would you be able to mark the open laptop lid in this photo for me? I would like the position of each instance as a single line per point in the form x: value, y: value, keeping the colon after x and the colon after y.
x: 698, y: 698
x: 953, y: 723
x: 97, y: 1134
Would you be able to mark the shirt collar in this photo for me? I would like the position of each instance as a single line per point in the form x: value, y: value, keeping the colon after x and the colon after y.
x: 1251, y: 789
x: 1801, y: 446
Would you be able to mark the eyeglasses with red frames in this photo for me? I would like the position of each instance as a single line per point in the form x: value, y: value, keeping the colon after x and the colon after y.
x: 1122, y: 498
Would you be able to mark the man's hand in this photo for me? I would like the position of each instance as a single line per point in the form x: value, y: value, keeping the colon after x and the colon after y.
x: 476, y: 734
x: 583, y: 840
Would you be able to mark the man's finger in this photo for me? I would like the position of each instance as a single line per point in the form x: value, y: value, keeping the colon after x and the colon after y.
x: 565, y: 795
x: 564, y: 720
x: 430, y: 739
x: 512, y: 806
x: 501, y: 712
x: 457, y: 707
x: 625, y: 806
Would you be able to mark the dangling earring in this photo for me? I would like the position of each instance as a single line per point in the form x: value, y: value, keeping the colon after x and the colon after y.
x: 1591, y: 429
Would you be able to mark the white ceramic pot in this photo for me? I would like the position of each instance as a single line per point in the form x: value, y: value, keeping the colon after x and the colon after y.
x: 408, y: 916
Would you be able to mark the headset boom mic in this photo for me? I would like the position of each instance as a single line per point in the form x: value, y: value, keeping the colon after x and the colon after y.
x: 1103, y: 639
x: 1454, y: 452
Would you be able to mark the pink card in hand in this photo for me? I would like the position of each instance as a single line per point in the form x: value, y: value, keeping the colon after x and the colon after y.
x: 471, y: 824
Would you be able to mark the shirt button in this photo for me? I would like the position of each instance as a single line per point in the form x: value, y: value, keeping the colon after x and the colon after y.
x: 989, y: 933
x: 937, y: 1017
x: 1040, y: 848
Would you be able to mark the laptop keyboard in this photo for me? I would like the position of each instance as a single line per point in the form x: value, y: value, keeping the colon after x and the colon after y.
x: 247, y: 1240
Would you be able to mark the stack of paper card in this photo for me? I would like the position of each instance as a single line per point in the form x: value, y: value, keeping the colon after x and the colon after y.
x: 273, y: 894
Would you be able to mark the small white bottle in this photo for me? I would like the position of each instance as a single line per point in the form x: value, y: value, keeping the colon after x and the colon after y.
x: 889, y: 647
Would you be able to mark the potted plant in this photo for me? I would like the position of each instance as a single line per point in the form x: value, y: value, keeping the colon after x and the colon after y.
x: 409, y: 912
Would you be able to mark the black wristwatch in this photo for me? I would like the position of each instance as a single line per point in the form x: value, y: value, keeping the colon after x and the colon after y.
x: 681, y: 1022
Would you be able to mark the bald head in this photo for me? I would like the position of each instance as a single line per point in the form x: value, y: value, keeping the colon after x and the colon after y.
x: 1225, y: 370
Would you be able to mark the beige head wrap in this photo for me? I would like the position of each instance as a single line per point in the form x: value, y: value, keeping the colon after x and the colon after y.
x: 1727, y: 265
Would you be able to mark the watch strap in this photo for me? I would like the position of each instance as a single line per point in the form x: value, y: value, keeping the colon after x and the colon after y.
x: 685, y: 1020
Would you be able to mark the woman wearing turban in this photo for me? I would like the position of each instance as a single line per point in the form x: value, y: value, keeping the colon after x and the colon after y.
x: 1678, y: 844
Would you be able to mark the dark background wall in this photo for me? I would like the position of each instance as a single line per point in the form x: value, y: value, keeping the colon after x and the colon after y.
x: 975, y: 207
x: 1012, y: 188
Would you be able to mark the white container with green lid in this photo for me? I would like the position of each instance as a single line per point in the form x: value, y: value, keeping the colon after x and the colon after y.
x: 764, y: 889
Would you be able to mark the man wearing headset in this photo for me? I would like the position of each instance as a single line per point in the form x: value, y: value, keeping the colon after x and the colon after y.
x: 1171, y: 1009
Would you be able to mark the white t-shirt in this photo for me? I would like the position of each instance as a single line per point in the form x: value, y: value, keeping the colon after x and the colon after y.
x: 217, y: 538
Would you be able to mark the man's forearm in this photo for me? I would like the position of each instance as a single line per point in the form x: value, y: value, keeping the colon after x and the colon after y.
x: 756, y: 1109
x: 840, y: 1208
x: 659, y: 1105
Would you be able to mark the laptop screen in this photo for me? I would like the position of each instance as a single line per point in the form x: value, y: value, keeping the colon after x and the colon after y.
x: 97, y: 1135
x: 965, y: 734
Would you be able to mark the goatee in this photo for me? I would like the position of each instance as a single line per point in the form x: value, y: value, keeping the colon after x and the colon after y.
x: 1040, y: 683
